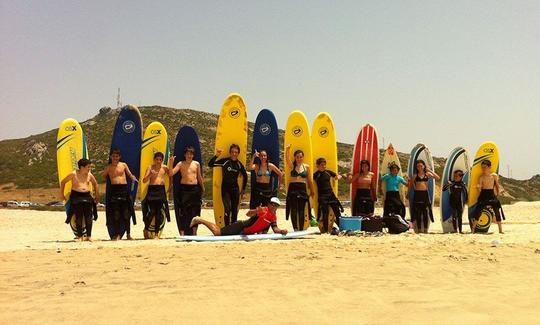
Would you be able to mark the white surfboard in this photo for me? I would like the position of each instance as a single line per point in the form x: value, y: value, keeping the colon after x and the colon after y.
x: 291, y: 235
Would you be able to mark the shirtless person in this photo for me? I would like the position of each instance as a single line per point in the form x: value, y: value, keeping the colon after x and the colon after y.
x: 188, y: 199
x: 119, y: 203
x: 488, y: 184
x: 82, y: 203
x: 155, y: 203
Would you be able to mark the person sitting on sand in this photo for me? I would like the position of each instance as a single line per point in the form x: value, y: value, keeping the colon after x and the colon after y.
x: 261, y: 219
x: 82, y: 202
x: 119, y: 208
x: 392, y: 200
x: 190, y: 192
x: 488, y: 184
x: 155, y: 203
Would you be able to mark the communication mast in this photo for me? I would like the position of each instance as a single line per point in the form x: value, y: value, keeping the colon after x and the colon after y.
x: 118, y: 102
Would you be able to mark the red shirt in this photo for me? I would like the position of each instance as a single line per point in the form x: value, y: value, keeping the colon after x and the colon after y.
x: 264, y: 220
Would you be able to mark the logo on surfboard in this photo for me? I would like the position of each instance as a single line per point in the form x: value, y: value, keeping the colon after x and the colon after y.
x: 128, y: 126
x: 265, y: 129
x: 323, y: 132
x: 297, y: 131
x: 155, y: 132
x: 489, y: 150
x: 71, y: 128
x: 234, y: 112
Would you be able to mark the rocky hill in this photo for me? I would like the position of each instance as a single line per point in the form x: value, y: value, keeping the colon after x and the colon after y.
x: 30, y: 162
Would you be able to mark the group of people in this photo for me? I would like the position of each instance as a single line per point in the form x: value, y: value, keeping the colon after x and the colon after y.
x: 263, y: 201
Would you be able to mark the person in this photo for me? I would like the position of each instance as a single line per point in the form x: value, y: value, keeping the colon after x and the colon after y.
x: 326, y: 198
x: 297, y: 204
x: 83, y: 205
x: 392, y: 200
x: 458, y: 197
x: 119, y: 204
x: 366, y: 192
x: 489, y: 187
x: 264, y: 171
x: 421, y: 206
x: 155, y: 205
x: 188, y: 199
x: 230, y: 192
x: 261, y: 219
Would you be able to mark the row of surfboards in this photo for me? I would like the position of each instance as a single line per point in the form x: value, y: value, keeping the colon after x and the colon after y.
x: 138, y: 149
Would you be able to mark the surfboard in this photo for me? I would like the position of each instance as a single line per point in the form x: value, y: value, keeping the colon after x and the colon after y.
x: 231, y: 128
x: 154, y: 140
x: 127, y: 137
x: 488, y: 150
x: 458, y: 159
x: 421, y: 152
x: 297, y: 134
x: 70, y: 147
x: 291, y: 235
x: 266, y: 137
x: 390, y: 157
x: 186, y: 136
x: 324, y: 145
x: 365, y: 148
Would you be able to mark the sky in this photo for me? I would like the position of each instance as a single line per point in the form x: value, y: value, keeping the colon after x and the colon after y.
x: 444, y: 73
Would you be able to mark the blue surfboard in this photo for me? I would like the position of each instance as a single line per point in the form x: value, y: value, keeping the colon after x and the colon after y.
x: 266, y: 137
x: 127, y: 137
x: 186, y: 136
x: 420, y: 151
x: 457, y: 160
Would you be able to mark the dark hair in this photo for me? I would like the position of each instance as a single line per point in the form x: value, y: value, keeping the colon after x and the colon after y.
x: 83, y: 162
x: 421, y: 162
x: 115, y: 151
x: 365, y: 162
x: 459, y: 171
x: 159, y: 154
x: 189, y: 149
x: 320, y: 161
x: 295, y: 153
x: 486, y: 162
x: 392, y: 166
x: 259, y: 160
x: 234, y: 145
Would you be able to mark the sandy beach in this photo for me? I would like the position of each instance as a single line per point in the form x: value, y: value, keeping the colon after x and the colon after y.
x: 438, y: 278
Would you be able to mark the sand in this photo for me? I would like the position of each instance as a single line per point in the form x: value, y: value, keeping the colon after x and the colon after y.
x: 46, y: 277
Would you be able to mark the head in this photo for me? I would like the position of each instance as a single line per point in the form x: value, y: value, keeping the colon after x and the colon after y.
x: 189, y: 153
x: 115, y: 156
x: 458, y: 175
x: 298, y: 157
x: 158, y: 157
x: 394, y: 169
x: 273, y: 204
x: 84, y: 164
x: 321, y: 164
x: 486, y: 166
x: 364, y: 167
x: 234, y: 151
x: 420, y: 166
x: 263, y: 156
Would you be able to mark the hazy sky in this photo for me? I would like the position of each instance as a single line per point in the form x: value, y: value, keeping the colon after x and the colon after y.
x: 445, y: 73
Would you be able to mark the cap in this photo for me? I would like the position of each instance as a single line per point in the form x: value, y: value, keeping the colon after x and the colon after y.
x: 275, y: 200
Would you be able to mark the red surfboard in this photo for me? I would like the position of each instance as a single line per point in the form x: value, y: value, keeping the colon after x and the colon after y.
x: 365, y: 148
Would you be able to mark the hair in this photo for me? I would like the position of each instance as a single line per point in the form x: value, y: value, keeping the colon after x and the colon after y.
x: 365, y: 162
x: 458, y: 172
x: 189, y: 149
x: 234, y: 145
x: 320, y: 161
x: 115, y: 151
x: 486, y: 162
x: 159, y: 154
x: 392, y: 166
x: 83, y: 162
x: 419, y: 161
x: 296, y: 153
x: 260, y: 160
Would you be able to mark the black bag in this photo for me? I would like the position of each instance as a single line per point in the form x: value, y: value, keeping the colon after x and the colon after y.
x: 395, y: 223
x: 371, y: 223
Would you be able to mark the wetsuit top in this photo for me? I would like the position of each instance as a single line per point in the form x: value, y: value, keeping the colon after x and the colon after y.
x: 260, y: 222
x: 421, y: 179
x: 323, y: 180
x: 302, y: 174
x: 264, y: 173
x: 457, y: 190
x: 231, y: 170
x: 392, y: 182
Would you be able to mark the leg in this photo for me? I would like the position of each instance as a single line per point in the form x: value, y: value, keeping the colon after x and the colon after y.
x: 226, y: 198
x: 212, y: 226
x: 235, y: 201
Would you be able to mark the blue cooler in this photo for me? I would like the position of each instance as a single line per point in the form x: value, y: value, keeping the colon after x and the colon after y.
x: 350, y: 223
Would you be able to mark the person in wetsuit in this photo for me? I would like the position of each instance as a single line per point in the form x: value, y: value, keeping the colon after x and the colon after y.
x: 155, y: 206
x: 488, y: 184
x: 261, y: 219
x: 264, y: 172
x: 189, y: 197
x: 392, y: 200
x: 458, y: 197
x: 327, y: 200
x: 297, y: 196
x: 421, y: 205
x: 366, y: 192
x: 230, y: 192
x: 83, y: 205
x: 119, y: 204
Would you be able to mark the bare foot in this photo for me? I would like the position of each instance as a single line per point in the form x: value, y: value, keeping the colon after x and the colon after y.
x: 129, y: 237
x: 89, y: 239
x: 79, y: 239
x: 195, y: 221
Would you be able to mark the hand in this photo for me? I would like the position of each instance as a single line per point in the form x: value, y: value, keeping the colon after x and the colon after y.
x: 171, y: 159
x: 153, y: 172
x: 96, y: 200
x: 256, y: 154
x: 283, y: 231
x: 311, y: 193
x: 218, y: 152
x: 288, y: 147
x: 134, y: 179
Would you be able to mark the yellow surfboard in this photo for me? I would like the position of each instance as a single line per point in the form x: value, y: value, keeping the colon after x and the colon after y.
x: 488, y: 150
x: 298, y: 136
x: 154, y: 140
x: 324, y: 145
x: 70, y: 148
x: 232, y: 128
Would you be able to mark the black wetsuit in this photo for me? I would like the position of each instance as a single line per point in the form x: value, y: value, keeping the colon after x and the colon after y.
x: 326, y: 198
x: 487, y: 198
x: 84, y: 208
x: 458, y: 197
x: 187, y: 205
x: 155, y: 205
x: 421, y: 207
x: 230, y: 193
x: 297, y: 201
x: 363, y: 203
x: 119, y: 209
